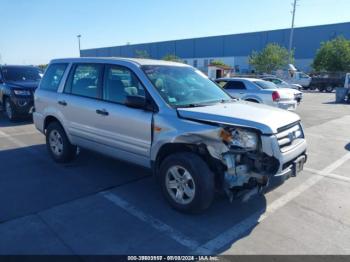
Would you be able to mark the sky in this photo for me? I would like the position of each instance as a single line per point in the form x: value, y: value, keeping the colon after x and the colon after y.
x: 36, y: 31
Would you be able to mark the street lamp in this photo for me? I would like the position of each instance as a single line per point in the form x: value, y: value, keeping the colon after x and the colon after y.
x: 79, y: 36
x: 292, y: 30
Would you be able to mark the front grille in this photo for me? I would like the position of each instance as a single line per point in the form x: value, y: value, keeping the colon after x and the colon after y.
x: 289, y: 136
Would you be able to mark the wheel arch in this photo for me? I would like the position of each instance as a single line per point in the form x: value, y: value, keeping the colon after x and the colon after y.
x: 52, y: 118
x: 200, y: 149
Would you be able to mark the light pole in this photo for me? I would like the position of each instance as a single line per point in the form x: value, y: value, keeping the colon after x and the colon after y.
x: 292, y: 31
x: 79, y: 36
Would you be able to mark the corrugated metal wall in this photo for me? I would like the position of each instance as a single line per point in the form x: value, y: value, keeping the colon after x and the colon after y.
x: 306, y: 42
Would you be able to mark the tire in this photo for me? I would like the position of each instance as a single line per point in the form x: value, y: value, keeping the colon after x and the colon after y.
x: 201, y: 184
x: 312, y: 88
x: 329, y: 89
x: 9, y: 110
x: 58, y: 145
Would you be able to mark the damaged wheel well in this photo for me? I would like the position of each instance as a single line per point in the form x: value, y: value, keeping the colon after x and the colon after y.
x: 215, y: 165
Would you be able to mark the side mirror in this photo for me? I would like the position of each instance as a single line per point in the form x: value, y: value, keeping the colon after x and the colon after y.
x: 136, y: 102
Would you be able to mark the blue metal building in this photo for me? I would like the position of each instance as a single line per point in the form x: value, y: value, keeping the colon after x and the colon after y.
x: 232, y: 49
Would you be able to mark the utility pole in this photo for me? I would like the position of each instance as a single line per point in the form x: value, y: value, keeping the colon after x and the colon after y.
x: 79, y: 36
x: 292, y: 30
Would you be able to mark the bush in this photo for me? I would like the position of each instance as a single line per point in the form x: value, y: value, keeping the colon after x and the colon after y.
x: 270, y: 59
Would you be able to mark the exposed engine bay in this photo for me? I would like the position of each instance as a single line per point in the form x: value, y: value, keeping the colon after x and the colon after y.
x: 248, y: 168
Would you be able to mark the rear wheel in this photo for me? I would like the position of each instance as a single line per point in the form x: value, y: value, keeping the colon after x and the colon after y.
x: 58, y: 145
x: 187, y: 182
x: 329, y: 89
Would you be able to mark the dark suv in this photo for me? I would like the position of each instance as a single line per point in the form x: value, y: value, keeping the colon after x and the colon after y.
x: 17, y: 86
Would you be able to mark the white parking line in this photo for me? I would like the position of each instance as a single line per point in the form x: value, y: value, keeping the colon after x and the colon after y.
x: 6, y: 135
x: 12, y: 139
x: 234, y: 233
x: 155, y: 223
x: 334, y: 176
x: 22, y: 145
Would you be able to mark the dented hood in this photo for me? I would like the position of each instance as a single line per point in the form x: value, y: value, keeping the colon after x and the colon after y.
x: 267, y: 119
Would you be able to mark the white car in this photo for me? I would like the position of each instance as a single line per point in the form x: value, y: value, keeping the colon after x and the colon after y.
x: 259, y: 91
x: 283, y: 84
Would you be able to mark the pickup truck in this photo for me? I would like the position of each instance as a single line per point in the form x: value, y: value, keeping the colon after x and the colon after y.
x: 327, y: 82
x: 171, y: 118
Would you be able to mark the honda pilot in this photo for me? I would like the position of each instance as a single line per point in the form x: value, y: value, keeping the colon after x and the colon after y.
x: 171, y: 118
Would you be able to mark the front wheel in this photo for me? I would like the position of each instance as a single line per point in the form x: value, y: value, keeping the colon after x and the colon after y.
x: 58, y: 145
x: 9, y: 110
x: 187, y: 182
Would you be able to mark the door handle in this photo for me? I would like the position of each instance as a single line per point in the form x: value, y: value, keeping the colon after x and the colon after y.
x: 62, y: 103
x: 102, y: 112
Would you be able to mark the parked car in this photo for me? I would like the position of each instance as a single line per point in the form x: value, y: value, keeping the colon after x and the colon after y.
x: 17, y: 86
x: 259, y: 91
x: 282, y: 84
x: 171, y: 118
x: 295, y: 88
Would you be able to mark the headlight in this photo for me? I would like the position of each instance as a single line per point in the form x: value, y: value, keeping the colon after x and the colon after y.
x: 21, y: 92
x: 240, y: 138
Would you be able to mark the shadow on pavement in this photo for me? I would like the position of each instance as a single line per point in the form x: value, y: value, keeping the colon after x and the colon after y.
x: 65, y: 196
x: 4, y: 122
x: 30, y: 181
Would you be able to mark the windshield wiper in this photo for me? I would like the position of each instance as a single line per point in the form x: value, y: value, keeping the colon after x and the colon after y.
x: 191, y: 105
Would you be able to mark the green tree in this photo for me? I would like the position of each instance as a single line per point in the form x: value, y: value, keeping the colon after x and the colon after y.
x: 271, y: 58
x: 219, y: 63
x: 141, y: 54
x: 333, y: 56
x: 43, y: 66
x: 171, y: 57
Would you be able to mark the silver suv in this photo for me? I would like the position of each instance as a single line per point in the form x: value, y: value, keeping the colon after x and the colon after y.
x: 171, y: 118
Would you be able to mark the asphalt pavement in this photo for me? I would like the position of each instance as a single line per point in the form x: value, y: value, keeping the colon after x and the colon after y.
x: 99, y: 205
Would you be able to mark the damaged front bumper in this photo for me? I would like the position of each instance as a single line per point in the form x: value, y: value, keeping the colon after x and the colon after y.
x: 247, y: 176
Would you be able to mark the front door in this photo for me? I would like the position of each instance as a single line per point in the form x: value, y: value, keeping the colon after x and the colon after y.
x: 127, y: 130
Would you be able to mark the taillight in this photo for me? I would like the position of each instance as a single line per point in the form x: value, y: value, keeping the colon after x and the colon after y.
x: 275, y: 96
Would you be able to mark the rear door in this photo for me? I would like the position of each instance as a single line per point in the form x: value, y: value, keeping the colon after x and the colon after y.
x: 236, y: 88
x: 78, y: 104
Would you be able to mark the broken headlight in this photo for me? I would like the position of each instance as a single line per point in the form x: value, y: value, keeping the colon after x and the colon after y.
x: 240, y: 138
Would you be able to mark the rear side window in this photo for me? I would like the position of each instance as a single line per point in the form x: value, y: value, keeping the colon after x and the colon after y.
x: 85, y: 80
x: 236, y: 85
x: 53, y: 77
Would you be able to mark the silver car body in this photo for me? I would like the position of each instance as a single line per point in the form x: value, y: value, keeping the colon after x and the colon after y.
x: 253, y: 92
x: 129, y: 134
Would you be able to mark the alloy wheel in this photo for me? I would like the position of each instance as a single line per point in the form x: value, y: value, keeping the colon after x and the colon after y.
x: 180, y: 185
x: 56, y: 142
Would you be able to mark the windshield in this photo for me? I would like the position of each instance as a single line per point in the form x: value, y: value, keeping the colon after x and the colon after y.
x: 303, y: 75
x: 185, y: 86
x: 21, y: 74
x: 265, y: 85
